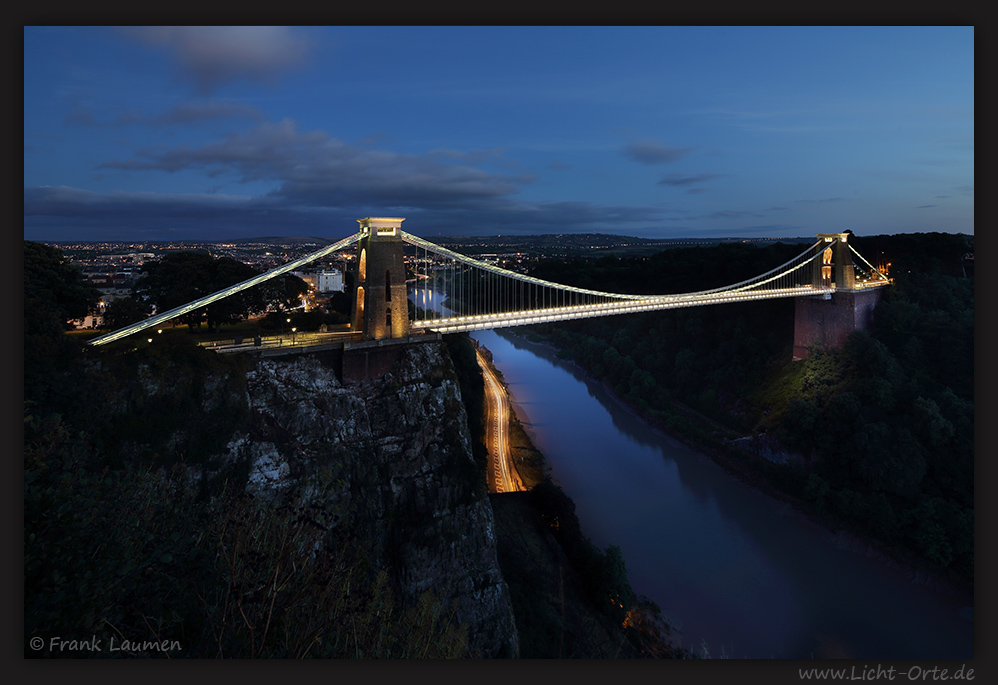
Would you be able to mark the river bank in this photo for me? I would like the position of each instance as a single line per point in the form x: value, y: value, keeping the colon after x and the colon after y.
x: 556, y: 575
x: 715, y: 442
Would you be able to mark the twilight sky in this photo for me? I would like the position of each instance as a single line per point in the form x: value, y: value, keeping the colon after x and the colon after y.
x: 154, y: 133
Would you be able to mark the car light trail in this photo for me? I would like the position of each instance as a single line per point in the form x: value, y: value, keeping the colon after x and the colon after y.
x: 497, y: 434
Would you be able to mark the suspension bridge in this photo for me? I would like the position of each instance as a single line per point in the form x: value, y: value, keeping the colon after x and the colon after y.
x: 393, y: 267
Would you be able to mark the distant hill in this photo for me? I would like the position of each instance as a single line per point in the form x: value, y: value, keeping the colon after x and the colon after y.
x: 551, y: 245
x: 580, y: 244
x: 278, y: 240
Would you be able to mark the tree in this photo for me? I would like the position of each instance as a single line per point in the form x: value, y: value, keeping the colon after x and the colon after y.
x: 284, y: 291
x: 235, y: 308
x: 54, y: 293
x: 612, y: 580
x: 124, y: 312
x: 182, y: 277
x: 178, y: 278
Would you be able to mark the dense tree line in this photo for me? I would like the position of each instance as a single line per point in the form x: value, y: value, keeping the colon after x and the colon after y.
x: 55, y: 292
x: 888, y: 420
x: 885, y: 424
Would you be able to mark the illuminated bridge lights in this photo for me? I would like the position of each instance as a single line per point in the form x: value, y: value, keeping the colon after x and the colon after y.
x: 650, y: 303
x: 505, y: 298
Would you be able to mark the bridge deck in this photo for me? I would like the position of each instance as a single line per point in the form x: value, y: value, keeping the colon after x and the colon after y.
x: 525, y: 318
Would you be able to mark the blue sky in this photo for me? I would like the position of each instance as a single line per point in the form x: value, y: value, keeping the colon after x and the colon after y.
x: 155, y: 133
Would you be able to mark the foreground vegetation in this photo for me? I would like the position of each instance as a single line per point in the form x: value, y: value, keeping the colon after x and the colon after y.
x: 132, y: 531
x: 879, y: 433
x: 129, y: 541
x: 134, y: 555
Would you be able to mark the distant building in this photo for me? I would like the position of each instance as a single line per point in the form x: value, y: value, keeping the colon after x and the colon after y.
x: 89, y: 321
x: 112, y: 286
x: 323, y: 280
x: 329, y: 281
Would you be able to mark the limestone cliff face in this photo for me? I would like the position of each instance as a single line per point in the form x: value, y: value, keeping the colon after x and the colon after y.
x: 393, y: 457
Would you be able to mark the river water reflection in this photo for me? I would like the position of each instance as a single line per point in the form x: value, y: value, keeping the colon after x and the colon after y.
x: 736, y: 570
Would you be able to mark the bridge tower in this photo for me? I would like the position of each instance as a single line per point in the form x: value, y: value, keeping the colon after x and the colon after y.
x: 827, y: 320
x: 380, y: 306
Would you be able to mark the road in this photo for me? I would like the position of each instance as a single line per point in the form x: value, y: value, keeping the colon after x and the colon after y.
x: 502, y: 473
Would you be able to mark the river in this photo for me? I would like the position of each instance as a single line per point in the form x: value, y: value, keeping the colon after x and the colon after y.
x: 739, y: 573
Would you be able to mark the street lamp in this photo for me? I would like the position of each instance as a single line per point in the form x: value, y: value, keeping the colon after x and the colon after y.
x: 293, y: 335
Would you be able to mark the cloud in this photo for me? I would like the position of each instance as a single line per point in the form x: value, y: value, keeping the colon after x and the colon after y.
x: 79, y: 112
x: 314, y: 169
x: 467, y: 156
x: 769, y: 229
x: 186, y: 114
x: 193, y: 113
x: 924, y: 206
x: 729, y: 214
x: 678, y: 180
x: 827, y: 199
x: 213, y: 56
x: 64, y: 213
x: 652, y: 153
x: 73, y: 202
x: 316, y: 182
x: 719, y: 215
x: 495, y: 157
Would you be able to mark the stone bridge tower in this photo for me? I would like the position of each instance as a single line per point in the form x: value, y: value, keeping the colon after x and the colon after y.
x: 380, y: 306
x: 827, y: 320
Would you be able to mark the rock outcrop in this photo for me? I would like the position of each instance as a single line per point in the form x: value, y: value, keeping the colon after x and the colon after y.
x: 393, y: 458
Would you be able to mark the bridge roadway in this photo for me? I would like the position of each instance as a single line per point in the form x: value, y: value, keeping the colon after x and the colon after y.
x: 645, y: 304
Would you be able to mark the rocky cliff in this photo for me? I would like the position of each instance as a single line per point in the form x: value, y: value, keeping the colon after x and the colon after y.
x: 393, y: 458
